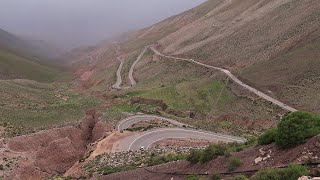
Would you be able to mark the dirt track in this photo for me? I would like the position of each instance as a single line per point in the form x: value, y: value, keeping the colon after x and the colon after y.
x: 235, y: 79
x: 117, y: 85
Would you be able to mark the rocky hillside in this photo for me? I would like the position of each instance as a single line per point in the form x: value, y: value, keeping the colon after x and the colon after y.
x: 252, y: 159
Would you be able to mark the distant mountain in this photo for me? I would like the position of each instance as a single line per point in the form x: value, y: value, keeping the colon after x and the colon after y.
x: 24, y: 59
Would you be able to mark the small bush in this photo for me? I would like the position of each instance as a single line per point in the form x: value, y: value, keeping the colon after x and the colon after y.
x: 215, y: 150
x: 212, y: 152
x: 165, y: 158
x: 216, y: 177
x: 234, y: 163
x: 193, y: 177
x: 296, y: 127
x: 194, y: 156
x: 268, y: 137
x: 240, y: 177
x: 293, y: 172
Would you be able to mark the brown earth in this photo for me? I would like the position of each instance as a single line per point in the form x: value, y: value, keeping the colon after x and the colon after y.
x: 272, y: 155
x: 51, y: 152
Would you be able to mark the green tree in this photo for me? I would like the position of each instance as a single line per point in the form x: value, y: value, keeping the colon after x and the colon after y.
x: 296, y: 127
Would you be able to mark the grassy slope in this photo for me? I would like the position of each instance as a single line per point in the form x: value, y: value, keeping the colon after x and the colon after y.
x: 30, y: 105
x: 17, y: 60
x: 16, y: 66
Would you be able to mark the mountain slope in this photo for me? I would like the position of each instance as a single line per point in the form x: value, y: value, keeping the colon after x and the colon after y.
x: 240, y: 33
x: 271, y: 45
x: 18, y: 59
x: 266, y: 42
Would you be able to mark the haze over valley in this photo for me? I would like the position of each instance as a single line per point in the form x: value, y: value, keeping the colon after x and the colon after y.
x: 150, y: 89
x: 72, y: 23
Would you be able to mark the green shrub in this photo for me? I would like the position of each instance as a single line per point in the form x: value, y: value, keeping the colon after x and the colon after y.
x: 212, y: 152
x: 155, y: 160
x: 296, y: 127
x: 193, y: 177
x: 240, y: 177
x: 268, y: 137
x: 194, y: 156
x: 292, y: 172
x: 215, y: 150
x: 234, y: 163
x: 216, y: 177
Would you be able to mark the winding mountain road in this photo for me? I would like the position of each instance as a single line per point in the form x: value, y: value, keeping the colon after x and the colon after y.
x: 118, y: 83
x: 128, y: 122
x: 235, y: 79
x: 146, y: 139
x: 153, y: 136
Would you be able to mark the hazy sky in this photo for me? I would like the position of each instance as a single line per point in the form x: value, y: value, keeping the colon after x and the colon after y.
x: 75, y: 22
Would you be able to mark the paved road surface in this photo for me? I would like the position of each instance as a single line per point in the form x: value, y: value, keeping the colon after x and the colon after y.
x: 235, y: 79
x: 128, y: 122
x: 150, y: 137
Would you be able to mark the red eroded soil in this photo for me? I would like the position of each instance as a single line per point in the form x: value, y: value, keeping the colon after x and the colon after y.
x: 51, y: 152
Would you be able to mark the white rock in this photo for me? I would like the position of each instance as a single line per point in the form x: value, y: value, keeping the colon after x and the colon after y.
x: 265, y: 158
x: 304, y: 178
x: 258, y: 159
x: 262, y: 152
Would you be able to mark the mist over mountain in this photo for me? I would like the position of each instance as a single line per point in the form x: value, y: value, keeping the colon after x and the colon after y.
x: 72, y: 23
